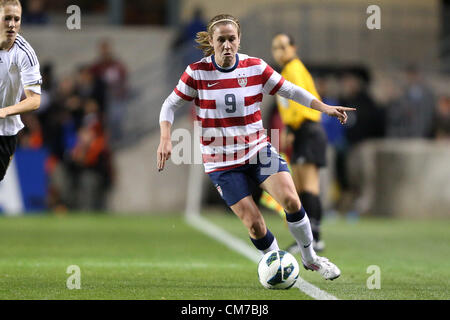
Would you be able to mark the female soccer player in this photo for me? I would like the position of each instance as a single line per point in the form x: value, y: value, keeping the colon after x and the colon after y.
x: 19, y: 68
x: 228, y: 87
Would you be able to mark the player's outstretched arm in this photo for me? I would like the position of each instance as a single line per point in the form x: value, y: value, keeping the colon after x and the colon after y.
x: 165, y: 144
x: 30, y: 103
x: 298, y: 94
x: 338, y: 111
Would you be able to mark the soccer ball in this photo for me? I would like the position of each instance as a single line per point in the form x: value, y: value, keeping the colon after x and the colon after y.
x: 278, y: 269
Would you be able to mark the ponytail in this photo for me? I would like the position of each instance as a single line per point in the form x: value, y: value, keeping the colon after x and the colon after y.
x: 203, y: 43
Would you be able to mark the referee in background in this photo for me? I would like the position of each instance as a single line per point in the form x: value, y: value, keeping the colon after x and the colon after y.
x: 303, y: 133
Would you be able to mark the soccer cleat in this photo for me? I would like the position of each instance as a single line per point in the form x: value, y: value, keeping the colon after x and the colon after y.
x: 323, y: 266
x: 318, y: 246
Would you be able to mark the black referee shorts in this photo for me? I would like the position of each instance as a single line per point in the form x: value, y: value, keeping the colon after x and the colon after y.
x: 7, y: 149
x: 310, y: 144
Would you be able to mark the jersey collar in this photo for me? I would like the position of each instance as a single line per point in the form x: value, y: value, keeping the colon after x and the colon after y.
x: 222, y: 69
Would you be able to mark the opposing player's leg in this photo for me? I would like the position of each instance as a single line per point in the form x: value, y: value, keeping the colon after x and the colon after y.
x: 4, y: 162
x: 7, y: 149
x: 281, y: 187
x: 307, y: 180
x: 248, y: 212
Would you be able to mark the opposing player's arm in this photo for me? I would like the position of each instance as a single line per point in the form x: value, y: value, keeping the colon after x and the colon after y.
x: 30, y: 103
x: 30, y: 77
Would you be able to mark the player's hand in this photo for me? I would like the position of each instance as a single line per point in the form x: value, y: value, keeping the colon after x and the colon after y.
x: 338, y: 112
x: 3, y: 114
x: 164, y: 152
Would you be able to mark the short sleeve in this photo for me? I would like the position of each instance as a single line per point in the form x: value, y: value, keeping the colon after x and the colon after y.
x: 186, y: 87
x: 29, y: 68
x: 271, y: 80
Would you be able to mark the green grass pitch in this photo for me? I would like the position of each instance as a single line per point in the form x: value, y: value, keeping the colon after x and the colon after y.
x: 161, y: 257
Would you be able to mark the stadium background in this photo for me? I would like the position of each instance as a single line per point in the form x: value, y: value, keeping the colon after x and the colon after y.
x: 104, y: 85
x: 395, y: 146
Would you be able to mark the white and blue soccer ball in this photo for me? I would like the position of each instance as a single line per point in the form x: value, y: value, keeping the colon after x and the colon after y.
x: 278, y: 269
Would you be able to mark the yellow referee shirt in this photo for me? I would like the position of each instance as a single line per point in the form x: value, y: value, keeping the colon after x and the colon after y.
x: 292, y: 113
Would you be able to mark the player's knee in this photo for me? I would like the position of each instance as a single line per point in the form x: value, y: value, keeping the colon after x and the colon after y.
x: 291, y: 202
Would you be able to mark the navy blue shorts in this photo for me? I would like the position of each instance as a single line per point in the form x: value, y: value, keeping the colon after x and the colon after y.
x: 235, y: 184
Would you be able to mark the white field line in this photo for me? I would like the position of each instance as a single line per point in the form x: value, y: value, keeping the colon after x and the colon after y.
x: 236, y: 244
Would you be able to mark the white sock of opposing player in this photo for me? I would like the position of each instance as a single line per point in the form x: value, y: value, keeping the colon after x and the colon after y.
x: 300, y: 228
x: 266, y: 243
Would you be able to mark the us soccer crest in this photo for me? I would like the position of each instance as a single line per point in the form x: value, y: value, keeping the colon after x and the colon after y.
x: 242, y: 80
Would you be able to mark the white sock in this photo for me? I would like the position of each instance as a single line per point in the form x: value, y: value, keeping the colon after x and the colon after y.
x: 301, y: 230
x: 266, y: 243
x: 273, y: 246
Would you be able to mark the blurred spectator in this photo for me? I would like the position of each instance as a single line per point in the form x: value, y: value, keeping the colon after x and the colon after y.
x: 184, y: 42
x: 332, y: 126
x: 60, y: 137
x: 90, y: 87
x: 184, y: 48
x: 35, y: 13
x: 47, y: 88
x: 366, y: 123
x: 336, y: 140
x: 113, y: 73
x: 88, y: 162
x: 80, y: 163
x: 70, y: 126
x: 411, y: 116
x: 61, y: 124
x: 442, y: 129
x: 31, y: 136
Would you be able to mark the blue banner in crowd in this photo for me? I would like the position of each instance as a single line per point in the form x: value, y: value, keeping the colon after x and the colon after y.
x: 24, y: 188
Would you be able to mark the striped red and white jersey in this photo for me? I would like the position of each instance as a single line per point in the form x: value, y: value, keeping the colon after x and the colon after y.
x: 228, y: 107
